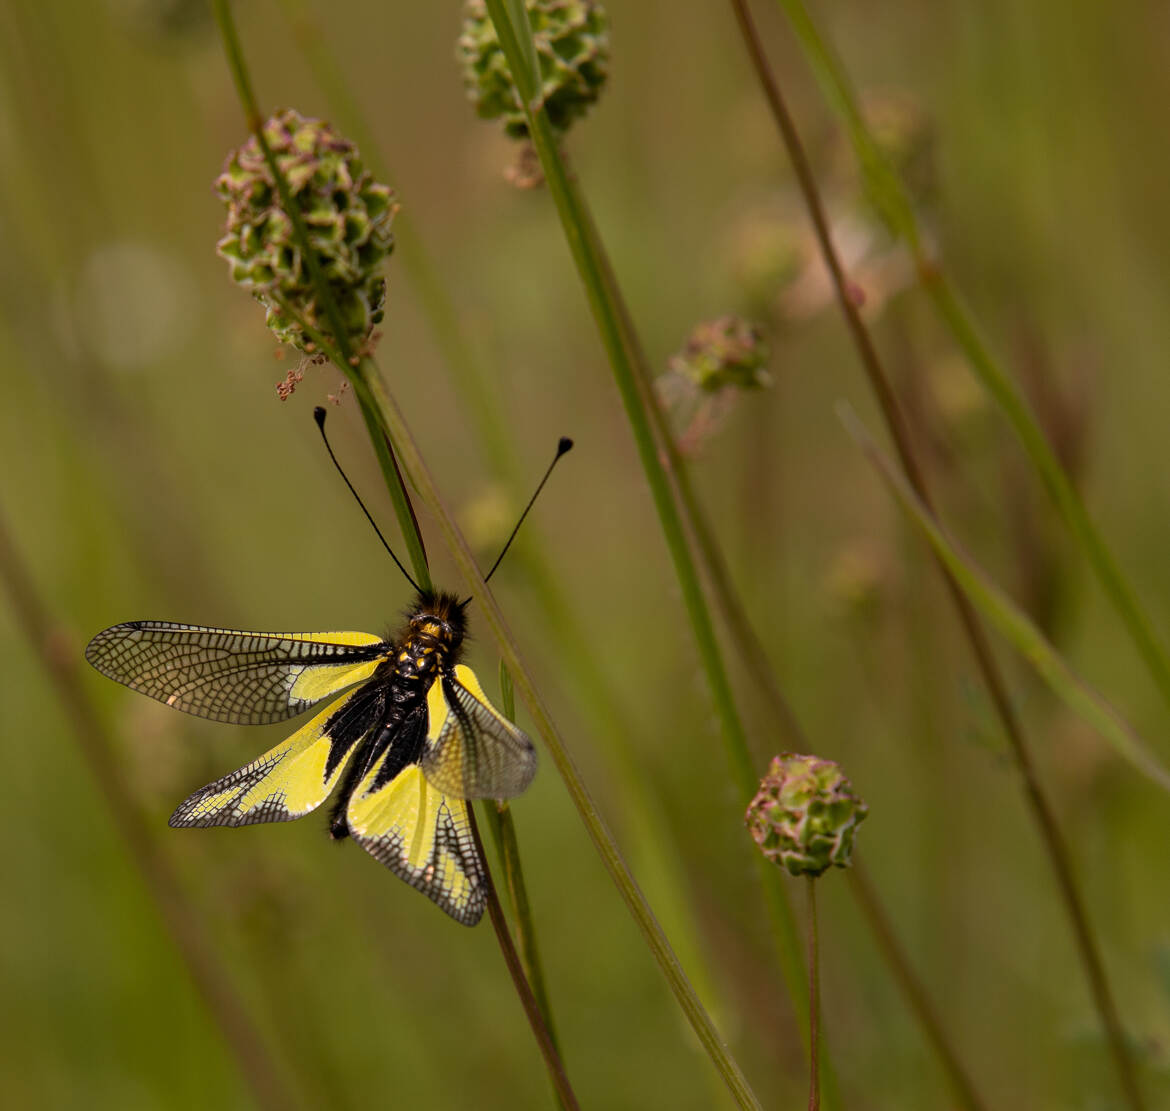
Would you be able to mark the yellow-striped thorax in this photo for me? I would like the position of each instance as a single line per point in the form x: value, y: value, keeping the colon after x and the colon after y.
x: 432, y: 640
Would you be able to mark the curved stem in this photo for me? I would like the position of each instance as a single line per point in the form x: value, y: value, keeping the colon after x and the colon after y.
x: 1041, y: 809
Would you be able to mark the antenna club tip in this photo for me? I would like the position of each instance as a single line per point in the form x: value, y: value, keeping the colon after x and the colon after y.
x: 319, y: 416
x: 564, y: 444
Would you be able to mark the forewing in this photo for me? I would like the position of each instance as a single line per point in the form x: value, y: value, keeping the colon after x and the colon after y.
x: 229, y: 675
x: 293, y: 778
x: 422, y: 836
x: 472, y: 751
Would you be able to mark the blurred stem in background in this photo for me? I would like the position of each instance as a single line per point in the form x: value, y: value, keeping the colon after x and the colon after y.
x: 613, y: 325
x: 879, y: 381
x: 1015, y: 625
x: 890, y: 197
x: 102, y: 416
x: 920, y: 1003
x: 56, y: 649
x: 641, y: 811
x: 361, y: 373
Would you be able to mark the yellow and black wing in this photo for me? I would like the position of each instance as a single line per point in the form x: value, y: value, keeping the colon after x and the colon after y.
x: 408, y: 809
x: 297, y: 775
x: 421, y: 835
x: 472, y: 751
x: 229, y: 675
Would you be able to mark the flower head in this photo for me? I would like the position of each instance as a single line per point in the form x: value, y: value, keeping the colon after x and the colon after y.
x: 347, y: 216
x: 572, y: 50
x: 805, y: 814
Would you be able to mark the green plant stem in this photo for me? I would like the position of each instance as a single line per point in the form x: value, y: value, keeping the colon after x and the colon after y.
x: 899, y: 964
x: 56, y: 651
x: 1063, y: 493
x: 346, y: 359
x: 879, y: 381
x: 1086, y: 701
x: 718, y: 575
x: 459, y: 355
x: 503, y: 827
x: 814, y: 998
x: 632, y: 377
x: 361, y: 372
x: 498, y: 816
x: 646, y: 827
x: 1016, y: 626
x: 885, y: 186
x: 532, y: 1010
x: 611, y: 857
x: 586, y: 251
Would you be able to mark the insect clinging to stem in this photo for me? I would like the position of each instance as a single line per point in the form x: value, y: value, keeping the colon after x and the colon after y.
x: 404, y: 750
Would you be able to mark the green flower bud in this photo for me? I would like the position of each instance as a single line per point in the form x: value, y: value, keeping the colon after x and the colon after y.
x: 805, y: 814
x: 728, y: 351
x: 347, y: 216
x: 572, y: 48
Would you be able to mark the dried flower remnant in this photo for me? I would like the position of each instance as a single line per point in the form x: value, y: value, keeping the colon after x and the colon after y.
x: 727, y: 351
x: 720, y: 359
x: 347, y: 216
x: 805, y: 815
x: 572, y: 49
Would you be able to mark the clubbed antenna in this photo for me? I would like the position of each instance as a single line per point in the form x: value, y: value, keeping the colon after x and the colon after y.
x: 564, y: 444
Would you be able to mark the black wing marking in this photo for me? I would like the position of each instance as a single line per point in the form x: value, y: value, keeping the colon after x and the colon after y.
x: 297, y: 775
x: 250, y: 678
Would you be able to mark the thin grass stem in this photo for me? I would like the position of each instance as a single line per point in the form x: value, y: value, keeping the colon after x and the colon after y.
x: 54, y: 649
x: 899, y: 964
x: 532, y: 1009
x: 1019, y: 629
x: 884, y: 185
x: 595, y: 826
x: 1038, y: 803
x: 814, y: 999
x: 587, y: 253
x: 633, y: 381
x: 503, y: 828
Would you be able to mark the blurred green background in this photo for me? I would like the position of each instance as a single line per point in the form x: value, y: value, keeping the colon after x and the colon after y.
x: 150, y: 471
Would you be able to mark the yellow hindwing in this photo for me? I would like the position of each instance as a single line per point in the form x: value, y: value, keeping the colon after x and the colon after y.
x: 422, y: 836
